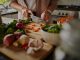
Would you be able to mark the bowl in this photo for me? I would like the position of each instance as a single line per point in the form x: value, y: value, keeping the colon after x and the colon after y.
x: 51, y: 38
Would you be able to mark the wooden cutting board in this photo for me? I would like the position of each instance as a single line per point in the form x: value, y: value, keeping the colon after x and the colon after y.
x: 22, y: 55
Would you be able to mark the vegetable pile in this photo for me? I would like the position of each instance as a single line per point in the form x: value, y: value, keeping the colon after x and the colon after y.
x: 53, y: 28
x: 14, y: 26
x: 15, y: 36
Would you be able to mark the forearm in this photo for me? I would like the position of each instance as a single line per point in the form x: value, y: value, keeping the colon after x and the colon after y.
x: 46, y: 15
x: 49, y: 5
x: 16, y: 5
x: 53, y: 5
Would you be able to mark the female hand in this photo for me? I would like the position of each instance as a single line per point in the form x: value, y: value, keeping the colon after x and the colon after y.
x: 46, y: 15
x: 26, y: 12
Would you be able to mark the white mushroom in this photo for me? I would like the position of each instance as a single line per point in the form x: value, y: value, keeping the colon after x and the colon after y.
x: 23, y: 39
x: 34, y: 45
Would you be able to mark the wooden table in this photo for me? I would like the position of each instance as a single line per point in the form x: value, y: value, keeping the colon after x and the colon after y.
x: 22, y: 55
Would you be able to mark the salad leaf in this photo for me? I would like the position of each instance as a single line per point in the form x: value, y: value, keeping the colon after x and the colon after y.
x: 2, y: 32
x: 1, y: 37
x: 21, y: 30
x: 10, y: 30
x: 27, y: 21
x: 53, y: 28
x: 12, y: 24
x: 45, y: 28
x: 2, y: 28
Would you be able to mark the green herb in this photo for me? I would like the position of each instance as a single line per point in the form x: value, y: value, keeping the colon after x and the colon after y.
x: 2, y: 32
x: 12, y: 24
x: 54, y: 28
x: 21, y: 30
x: 10, y: 31
x: 26, y: 21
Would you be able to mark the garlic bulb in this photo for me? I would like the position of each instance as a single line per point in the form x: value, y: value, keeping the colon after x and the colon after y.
x: 35, y: 44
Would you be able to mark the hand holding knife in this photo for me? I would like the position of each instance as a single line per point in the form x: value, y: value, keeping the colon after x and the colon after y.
x: 46, y: 16
x: 26, y: 13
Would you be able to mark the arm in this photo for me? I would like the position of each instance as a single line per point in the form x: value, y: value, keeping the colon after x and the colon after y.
x: 49, y: 9
x: 16, y: 5
x: 52, y: 5
x: 25, y: 11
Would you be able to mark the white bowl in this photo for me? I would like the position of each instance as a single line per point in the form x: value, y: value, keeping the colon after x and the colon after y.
x: 51, y: 38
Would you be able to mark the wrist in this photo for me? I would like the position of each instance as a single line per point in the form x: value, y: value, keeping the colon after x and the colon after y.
x: 22, y: 8
x: 48, y: 12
